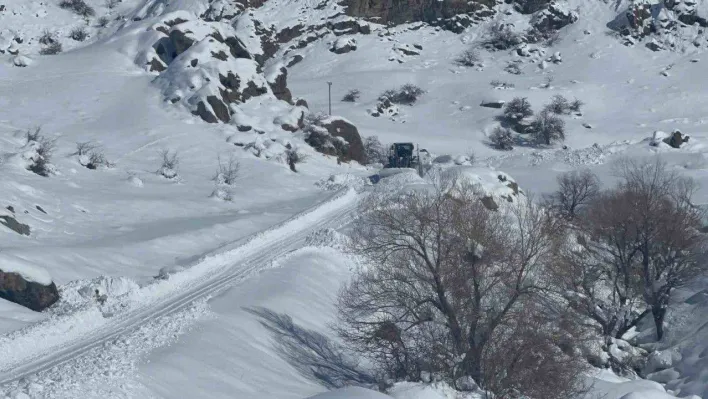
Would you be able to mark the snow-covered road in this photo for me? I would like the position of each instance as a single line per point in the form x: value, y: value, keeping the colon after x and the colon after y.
x: 29, y: 351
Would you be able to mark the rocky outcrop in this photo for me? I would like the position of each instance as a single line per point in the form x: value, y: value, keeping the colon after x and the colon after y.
x: 11, y: 223
x: 343, y: 45
x: 403, y: 11
x: 554, y: 18
x: 350, y: 134
x: 30, y: 294
x: 335, y: 136
x: 278, y: 81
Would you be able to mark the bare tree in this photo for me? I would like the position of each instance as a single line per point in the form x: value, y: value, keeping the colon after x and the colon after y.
x: 547, y: 128
x: 576, y: 189
x: 450, y: 284
x: 227, y: 172
x: 375, y: 151
x: 635, y: 244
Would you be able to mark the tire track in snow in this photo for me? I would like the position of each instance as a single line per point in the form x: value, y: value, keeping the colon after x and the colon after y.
x: 209, y: 277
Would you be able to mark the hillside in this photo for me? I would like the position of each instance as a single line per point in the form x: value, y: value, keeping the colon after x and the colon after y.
x: 241, y: 86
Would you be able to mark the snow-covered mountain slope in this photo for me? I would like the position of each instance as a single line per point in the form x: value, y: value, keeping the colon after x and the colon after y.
x: 133, y: 87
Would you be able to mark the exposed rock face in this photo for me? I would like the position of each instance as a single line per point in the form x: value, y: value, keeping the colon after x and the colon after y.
x: 676, y: 139
x: 402, y: 11
x: 278, y: 82
x: 335, y: 136
x: 343, y: 45
x: 11, y: 223
x: 14, y: 288
x: 553, y: 18
x: 349, y: 132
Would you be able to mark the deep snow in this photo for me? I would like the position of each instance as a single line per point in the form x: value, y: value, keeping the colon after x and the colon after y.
x: 130, y: 224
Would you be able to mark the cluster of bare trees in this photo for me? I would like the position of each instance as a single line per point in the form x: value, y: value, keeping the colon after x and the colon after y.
x: 631, y: 246
x: 455, y: 291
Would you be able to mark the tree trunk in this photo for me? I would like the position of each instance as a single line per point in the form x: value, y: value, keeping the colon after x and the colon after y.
x: 659, y: 313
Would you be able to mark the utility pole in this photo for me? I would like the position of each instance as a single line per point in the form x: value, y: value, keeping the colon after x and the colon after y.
x: 330, y: 98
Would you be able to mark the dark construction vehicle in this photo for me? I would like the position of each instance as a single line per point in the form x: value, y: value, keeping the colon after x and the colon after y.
x: 401, y: 155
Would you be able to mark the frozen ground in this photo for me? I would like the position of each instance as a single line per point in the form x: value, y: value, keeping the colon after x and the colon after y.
x: 115, y: 229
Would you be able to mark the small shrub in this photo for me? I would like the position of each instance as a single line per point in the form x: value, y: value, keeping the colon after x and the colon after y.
x: 52, y: 49
x: 559, y: 105
x: 513, y: 68
x: 97, y: 159
x: 44, y: 150
x: 227, y: 172
x: 547, y: 82
x: 111, y: 4
x: 351, y: 96
x: 498, y: 84
x: 502, y: 37
x: 33, y: 136
x: 79, y: 34
x: 547, y: 128
x: 103, y: 22
x: 407, y: 94
x: 170, y: 163
x: 468, y: 58
x: 502, y: 139
x: 47, y: 38
x: 294, y: 157
x: 79, y: 7
x: 576, y: 105
x: 84, y: 148
x: 517, y: 109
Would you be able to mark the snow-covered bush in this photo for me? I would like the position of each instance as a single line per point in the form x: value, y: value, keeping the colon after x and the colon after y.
x: 79, y: 7
x: 227, y: 172
x: 103, y: 22
x: 52, y: 48
x: 469, y: 58
x: 547, y: 128
x: 501, y: 37
x: 79, y: 34
x: 294, y: 157
x: 39, y: 154
x: 518, y: 108
x: 502, y: 138
x: 351, y: 96
x: 407, y: 94
x: 47, y: 38
x: 559, y: 105
x: 576, y: 105
x: 513, y: 68
x: 170, y: 163
x: 375, y: 151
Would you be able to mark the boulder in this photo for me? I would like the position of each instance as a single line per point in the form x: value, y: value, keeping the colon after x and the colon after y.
x: 347, y: 131
x: 676, y: 139
x: 15, y: 288
x: 493, y: 104
x: 343, y: 45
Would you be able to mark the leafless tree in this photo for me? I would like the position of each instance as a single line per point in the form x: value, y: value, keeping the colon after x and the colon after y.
x: 227, y: 172
x: 576, y: 189
x: 635, y: 244
x: 449, y: 286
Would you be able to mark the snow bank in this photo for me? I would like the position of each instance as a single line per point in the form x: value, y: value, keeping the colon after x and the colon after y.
x: 28, y: 270
x: 351, y: 393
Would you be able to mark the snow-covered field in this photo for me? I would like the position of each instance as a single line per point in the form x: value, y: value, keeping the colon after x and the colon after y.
x: 196, y: 285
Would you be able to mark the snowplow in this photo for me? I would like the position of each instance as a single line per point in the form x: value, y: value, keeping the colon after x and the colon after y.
x: 401, y: 155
